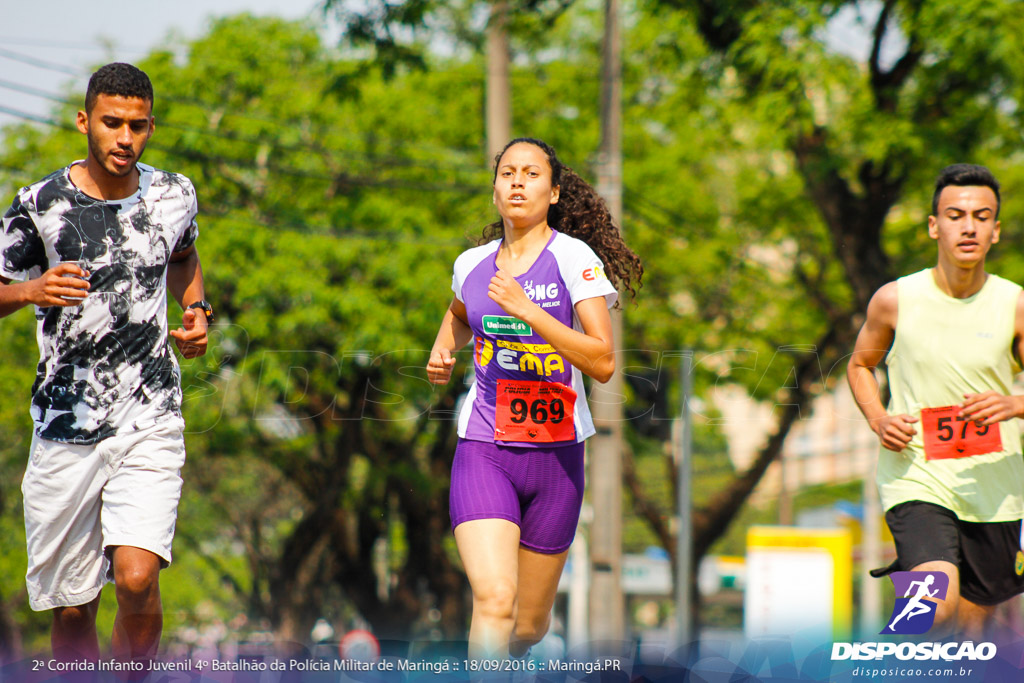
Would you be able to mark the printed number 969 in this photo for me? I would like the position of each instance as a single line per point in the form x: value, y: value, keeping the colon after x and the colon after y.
x: 539, y: 412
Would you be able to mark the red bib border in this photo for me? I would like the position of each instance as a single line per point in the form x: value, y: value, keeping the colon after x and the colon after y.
x: 948, y: 435
x: 534, y: 412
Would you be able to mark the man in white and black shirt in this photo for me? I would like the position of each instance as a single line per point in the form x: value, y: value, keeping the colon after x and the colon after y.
x: 95, y: 247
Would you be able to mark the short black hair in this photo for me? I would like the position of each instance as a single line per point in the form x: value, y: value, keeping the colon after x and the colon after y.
x: 964, y: 175
x: 120, y: 79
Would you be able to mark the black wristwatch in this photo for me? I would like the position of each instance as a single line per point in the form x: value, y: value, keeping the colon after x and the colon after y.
x: 206, y: 308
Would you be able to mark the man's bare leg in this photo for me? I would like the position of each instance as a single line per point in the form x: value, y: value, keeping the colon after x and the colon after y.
x: 973, y: 619
x: 73, y: 634
x: 140, y: 617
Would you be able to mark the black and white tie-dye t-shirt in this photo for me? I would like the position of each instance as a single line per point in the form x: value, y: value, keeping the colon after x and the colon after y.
x: 104, y: 365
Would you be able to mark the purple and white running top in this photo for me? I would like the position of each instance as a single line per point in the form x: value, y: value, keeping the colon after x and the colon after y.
x: 525, y: 393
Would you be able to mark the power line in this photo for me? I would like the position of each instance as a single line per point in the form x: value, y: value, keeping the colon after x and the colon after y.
x: 30, y: 90
x: 35, y: 118
x: 674, y: 219
x: 333, y: 231
x: 250, y: 164
x: 41, y: 63
x: 337, y: 232
x: 393, y: 161
x: 529, y: 73
x: 66, y: 45
x: 340, y: 232
x: 233, y: 136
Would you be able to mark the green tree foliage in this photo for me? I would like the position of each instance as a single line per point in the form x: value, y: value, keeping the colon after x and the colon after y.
x: 772, y: 182
x: 328, y: 226
x: 778, y: 164
x: 403, y: 35
x: 17, y: 623
x: 822, y: 162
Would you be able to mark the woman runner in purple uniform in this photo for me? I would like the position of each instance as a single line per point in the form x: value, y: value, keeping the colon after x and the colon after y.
x: 534, y: 298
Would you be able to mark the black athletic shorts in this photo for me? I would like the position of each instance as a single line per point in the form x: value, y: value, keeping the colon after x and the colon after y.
x: 988, y: 554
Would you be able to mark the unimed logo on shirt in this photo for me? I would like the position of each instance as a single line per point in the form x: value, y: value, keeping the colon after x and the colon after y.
x: 914, y: 612
x: 506, y: 324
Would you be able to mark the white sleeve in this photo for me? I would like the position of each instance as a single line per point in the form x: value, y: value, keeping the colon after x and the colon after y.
x: 466, y: 262
x: 456, y: 285
x: 584, y: 274
x: 459, y: 273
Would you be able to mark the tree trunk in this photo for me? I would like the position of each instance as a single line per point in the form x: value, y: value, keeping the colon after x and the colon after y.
x: 10, y: 634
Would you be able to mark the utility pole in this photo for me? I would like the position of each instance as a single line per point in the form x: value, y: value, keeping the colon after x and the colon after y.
x: 684, y: 533
x: 607, y: 603
x: 499, y: 90
x: 871, y: 556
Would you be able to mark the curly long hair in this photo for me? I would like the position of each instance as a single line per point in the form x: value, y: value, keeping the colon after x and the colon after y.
x: 581, y: 213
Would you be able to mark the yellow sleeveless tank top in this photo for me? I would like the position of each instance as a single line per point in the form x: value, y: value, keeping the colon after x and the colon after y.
x: 945, y: 348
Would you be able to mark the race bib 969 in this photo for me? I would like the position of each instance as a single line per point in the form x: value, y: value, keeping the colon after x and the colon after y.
x: 534, y: 412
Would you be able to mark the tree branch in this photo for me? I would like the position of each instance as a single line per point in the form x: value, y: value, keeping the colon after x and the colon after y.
x: 854, y: 223
x: 10, y: 633
x: 711, y: 521
x: 878, y: 35
x: 645, y: 507
x: 886, y: 84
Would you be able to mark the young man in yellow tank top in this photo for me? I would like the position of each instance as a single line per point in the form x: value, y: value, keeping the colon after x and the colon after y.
x: 950, y: 470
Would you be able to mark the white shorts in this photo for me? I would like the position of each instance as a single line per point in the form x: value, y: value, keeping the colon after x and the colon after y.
x: 82, y: 500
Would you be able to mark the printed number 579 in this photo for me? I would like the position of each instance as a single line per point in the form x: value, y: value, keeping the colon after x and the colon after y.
x: 946, y: 430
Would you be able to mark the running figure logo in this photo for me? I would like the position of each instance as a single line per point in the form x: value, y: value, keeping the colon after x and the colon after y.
x: 913, y: 614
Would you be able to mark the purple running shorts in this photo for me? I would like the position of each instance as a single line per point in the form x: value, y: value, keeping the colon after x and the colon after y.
x: 539, y: 489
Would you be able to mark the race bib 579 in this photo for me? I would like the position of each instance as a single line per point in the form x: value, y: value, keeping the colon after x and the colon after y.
x: 948, y: 435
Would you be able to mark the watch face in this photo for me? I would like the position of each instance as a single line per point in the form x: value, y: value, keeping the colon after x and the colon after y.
x: 205, y: 307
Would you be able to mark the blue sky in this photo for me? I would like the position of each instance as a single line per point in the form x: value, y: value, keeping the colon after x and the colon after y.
x: 66, y: 38
x: 48, y: 44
